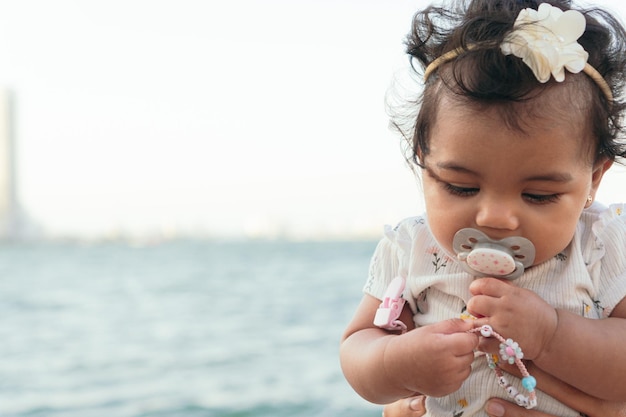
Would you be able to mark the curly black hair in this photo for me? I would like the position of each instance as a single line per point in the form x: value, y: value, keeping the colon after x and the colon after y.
x: 482, y: 75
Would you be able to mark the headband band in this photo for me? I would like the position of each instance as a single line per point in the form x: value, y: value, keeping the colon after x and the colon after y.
x: 546, y: 40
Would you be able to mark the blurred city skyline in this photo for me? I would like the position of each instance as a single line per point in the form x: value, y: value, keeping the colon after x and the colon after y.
x: 212, y: 119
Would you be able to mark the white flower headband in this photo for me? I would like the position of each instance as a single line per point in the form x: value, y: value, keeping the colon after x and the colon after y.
x: 546, y: 40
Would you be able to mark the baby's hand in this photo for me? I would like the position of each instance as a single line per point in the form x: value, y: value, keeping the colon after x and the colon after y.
x: 434, y: 359
x: 514, y: 312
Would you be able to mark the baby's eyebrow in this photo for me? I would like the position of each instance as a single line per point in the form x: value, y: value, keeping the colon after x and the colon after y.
x: 556, y: 176
x: 452, y: 166
x: 552, y: 177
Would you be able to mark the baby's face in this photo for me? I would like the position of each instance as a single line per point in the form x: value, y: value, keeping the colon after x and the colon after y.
x: 480, y: 173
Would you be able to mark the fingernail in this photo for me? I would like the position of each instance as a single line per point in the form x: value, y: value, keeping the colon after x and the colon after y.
x: 494, y: 409
x: 417, y: 404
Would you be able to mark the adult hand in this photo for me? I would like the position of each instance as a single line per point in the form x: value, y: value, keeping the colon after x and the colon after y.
x: 406, y: 407
x: 501, y: 408
x: 414, y: 407
x: 587, y: 405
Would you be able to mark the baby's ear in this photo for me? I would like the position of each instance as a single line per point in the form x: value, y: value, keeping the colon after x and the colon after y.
x: 599, y: 168
x: 420, y: 157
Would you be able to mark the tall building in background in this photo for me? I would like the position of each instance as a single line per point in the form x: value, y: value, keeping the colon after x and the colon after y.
x: 8, y: 193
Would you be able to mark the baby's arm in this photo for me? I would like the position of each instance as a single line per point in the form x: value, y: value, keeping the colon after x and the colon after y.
x: 383, y: 367
x: 586, y: 353
x: 589, y: 354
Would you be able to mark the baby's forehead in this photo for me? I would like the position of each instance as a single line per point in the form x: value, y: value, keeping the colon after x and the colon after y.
x: 553, y: 104
x: 551, y: 109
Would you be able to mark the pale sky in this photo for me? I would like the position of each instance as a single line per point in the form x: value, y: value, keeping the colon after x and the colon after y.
x: 218, y: 117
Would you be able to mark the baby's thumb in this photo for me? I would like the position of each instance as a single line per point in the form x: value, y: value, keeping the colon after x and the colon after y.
x: 452, y: 326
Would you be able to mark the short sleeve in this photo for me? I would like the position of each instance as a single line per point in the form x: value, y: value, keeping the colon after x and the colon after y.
x: 390, y: 259
x: 608, y: 269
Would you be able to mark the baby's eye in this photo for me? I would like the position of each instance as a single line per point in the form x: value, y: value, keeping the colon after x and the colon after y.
x: 461, y: 191
x: 541, y: 198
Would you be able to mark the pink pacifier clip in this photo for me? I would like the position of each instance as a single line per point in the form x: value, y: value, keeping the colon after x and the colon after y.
x: 389, y: 310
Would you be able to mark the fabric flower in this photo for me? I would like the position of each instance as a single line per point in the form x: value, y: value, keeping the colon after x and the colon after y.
x: 546, y: 40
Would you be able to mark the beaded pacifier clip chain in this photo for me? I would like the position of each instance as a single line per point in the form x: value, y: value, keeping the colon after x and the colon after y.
x: 510, y: 352
x: 506, y: 258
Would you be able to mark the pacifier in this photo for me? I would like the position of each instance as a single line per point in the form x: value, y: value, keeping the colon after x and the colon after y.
x: 482, y: 256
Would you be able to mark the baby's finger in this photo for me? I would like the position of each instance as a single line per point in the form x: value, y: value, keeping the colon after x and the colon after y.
x: 492, y: 287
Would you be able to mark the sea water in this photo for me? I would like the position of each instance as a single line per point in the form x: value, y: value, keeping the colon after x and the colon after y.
x: 178, y: 329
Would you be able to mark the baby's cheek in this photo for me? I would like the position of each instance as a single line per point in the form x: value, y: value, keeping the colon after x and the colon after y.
x: 552, y: 241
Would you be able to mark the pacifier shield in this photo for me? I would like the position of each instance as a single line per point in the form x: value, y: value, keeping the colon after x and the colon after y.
x: 485, y: 257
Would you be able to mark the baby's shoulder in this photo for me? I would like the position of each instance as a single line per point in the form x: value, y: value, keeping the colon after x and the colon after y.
x: 600, y: 219
x: 602, y: 234
x: 403, y: 235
